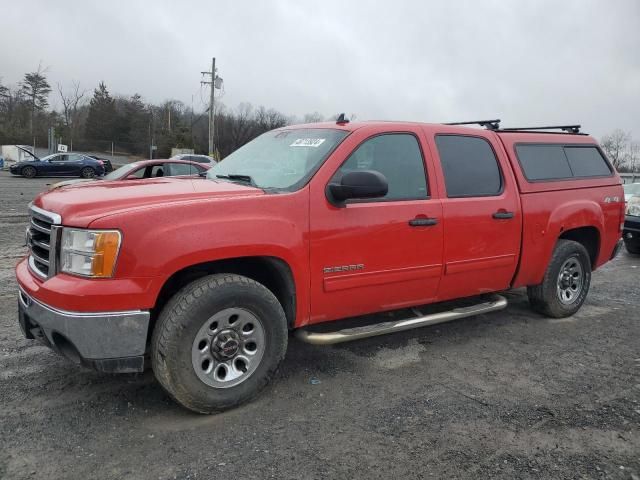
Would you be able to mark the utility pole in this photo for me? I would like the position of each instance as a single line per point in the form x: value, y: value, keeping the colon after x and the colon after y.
x: 216, y: 82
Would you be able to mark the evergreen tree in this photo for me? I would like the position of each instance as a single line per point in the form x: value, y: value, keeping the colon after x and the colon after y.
x: 101, y: 120
x: 138, y: 117
x: 35, y: 88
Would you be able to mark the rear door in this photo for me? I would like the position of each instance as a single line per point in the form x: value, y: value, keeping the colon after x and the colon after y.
x: 75, y: 163
x: 376, y: 254
x: 481, y: 211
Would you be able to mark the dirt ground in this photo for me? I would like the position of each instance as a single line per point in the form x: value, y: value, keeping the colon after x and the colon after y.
x: 504, y: 395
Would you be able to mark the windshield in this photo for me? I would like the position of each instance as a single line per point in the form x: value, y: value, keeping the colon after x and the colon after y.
x: 280, y: 159
x: 44, y: 159
x: 121, y: 172
x: 632, y: 189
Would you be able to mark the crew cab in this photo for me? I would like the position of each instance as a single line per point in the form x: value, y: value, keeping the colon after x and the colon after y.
x: 304, y: 227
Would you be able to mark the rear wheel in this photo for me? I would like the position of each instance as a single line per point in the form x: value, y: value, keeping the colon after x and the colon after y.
x: 29, y: 172
x: 566, y: 281
x: 218, y: 342
x: 632, y: 246
x: 87, y: 172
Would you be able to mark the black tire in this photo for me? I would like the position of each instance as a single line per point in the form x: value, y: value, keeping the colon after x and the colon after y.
x: 632, y: 246
x: 28, y: 171
x: 545, y: 298
x: 183, y: 318
x: 87, y: 172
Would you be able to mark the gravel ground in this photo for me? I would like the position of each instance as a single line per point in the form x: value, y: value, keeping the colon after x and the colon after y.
x: 504, y: 395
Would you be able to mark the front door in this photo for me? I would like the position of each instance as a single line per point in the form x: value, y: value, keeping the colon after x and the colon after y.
x: 482, y: 219
x: 59, y: 165
x: 377, y: 254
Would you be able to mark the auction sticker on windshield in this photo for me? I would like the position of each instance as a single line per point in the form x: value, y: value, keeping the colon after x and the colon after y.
x: 307, y: 142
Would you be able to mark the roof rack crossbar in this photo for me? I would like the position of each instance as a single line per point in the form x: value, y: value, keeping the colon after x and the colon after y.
x: 488, y: 124
x: 564, y: 128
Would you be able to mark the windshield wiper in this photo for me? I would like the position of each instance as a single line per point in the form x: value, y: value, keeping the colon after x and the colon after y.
x: 239, y: 177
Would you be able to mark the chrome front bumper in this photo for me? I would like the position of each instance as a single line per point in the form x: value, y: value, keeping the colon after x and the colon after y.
x: 106, y: 341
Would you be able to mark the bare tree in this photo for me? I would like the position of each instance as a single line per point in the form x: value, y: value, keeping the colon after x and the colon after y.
x: 314, y: 117
x: 4, y: 91
x: 242, y: 125
x: 616, y: 146
x: 70, y: 106
x: 633, y: 162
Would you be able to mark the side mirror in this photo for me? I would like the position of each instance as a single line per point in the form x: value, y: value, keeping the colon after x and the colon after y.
x: 357, y: 185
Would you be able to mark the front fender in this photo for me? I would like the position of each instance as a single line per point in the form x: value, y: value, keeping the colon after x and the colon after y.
x: 161, y: 240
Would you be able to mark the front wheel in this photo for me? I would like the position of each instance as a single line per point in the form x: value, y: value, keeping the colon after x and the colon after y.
x: 218, y: 342
x: 87, y: 172
x: 29, y: 172
x: 566, y: 281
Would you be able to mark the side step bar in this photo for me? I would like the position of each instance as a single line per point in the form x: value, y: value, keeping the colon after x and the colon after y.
x: 495, y: 302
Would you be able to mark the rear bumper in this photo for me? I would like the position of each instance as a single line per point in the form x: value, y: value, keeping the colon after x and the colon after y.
x: 106, y: 341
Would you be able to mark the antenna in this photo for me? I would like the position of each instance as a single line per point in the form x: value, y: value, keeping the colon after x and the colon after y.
x: 342, y: 119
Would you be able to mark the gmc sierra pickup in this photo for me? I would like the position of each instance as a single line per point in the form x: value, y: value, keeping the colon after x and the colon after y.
x: 307, y: 225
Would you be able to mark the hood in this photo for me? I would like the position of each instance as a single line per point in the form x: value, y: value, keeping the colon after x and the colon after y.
x: 74, y: 181
x: 82, y: 203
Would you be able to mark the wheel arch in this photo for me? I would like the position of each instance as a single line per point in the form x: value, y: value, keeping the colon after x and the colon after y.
x: 588, y: 237
x: 272, y: 272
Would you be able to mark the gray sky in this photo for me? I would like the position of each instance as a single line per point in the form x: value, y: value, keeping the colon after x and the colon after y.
x: 527, y: 62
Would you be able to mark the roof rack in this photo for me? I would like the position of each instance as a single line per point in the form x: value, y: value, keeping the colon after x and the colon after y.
x: 564, y: 128
x: 488, y: 124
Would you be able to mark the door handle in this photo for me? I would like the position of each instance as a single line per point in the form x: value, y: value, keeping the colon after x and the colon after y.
x: 423, y: 222
x: 502, y: 215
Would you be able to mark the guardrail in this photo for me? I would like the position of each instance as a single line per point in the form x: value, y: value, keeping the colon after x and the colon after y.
x: 630, y: 177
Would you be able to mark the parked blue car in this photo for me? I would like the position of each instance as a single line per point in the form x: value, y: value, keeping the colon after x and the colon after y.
x: 60, y: 165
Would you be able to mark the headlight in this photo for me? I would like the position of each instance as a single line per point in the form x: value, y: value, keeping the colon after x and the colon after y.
x: 633, y: 206
x: 90, y: 253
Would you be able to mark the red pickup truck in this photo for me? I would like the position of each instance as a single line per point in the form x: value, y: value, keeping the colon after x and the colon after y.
x: 204, y: 278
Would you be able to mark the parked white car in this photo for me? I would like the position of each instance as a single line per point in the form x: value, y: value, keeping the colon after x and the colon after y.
x: 631, y: 189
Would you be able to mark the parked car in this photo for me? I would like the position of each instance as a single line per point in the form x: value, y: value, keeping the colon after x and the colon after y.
x: 306, y: 226
x: 108, y: 167
x: 631, y: 231
x: 630, y: 189
x: 195, y: 158
x: 144, y: 169
x: 59, y: 165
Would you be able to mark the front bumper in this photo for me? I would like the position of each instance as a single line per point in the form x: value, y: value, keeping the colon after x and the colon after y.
x: 631, y: 228
x: 106, y: 341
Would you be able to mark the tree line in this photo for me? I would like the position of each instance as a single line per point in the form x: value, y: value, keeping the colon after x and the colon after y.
x: 100, y: 121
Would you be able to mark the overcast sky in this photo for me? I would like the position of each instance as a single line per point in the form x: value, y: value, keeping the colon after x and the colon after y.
x: 527, y: 62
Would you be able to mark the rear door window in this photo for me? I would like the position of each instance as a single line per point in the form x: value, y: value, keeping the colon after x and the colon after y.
x: 177, y: 169
x: 470, y: 166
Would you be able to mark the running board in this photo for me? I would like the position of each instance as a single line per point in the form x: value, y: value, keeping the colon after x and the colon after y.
x: 496, y: 302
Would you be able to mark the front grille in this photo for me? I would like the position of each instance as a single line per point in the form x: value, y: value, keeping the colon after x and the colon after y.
x: 42, y: 238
